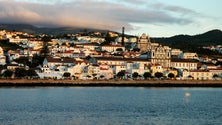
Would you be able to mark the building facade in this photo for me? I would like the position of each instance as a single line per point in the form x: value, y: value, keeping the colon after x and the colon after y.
x: 144, y: 43
x: 160, y: 55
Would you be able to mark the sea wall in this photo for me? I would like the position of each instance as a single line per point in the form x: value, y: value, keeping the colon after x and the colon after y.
x: 127, y: 83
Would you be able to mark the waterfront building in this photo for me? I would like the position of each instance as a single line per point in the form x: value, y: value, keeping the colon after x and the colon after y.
x: 198, y: 74
x: 2, y: 57
x: 130, y: 65
x: 216, y: 71
x: 156, y: 68
x: 105, y: 71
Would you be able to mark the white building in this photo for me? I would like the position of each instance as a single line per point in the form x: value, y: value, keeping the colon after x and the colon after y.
x: 188, y: 64
x: 198, y: 75
x: 175, y: 53
x: 2, y: 57
x: 112, y: 48
x: 189, y: 56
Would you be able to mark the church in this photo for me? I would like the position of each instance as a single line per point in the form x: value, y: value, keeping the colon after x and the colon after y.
x: 144, y: 43
x: 157, y: 54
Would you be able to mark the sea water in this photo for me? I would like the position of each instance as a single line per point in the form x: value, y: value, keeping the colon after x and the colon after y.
x: 110, y: 106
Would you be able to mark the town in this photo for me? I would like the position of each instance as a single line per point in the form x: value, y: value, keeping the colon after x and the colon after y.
x: 100, y: 56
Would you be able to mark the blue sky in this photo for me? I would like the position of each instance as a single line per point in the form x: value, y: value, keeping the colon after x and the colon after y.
x: 158, y: 18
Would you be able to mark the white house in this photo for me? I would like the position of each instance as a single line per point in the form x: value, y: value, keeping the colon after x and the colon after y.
x: 55, y: 67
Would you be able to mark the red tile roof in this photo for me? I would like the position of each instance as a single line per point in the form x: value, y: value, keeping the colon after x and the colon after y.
x: 60, y: 60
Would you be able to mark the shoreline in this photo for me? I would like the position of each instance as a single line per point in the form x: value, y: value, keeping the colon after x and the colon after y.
x: 111, y: 83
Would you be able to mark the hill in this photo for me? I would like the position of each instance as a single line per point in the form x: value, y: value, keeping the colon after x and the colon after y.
x: 187, y: 43
x: 39, y: 30
x: 194, y: 43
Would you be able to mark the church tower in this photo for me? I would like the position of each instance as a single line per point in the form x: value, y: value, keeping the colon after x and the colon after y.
x: 144, y: 43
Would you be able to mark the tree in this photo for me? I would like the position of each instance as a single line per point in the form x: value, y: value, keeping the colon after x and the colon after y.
x: 66, y: 74
x: 102, y: 76
x: 215, y: 76
x: 20, y: 72
x: 147, y: 75
x: 36, y: 61
x: 171, y: 75
x: 94, y: 75
x: 31, y: 73
x: 22, y: 60
x: 119, y: 49
x: 120, y: 74
x: 107, y: 38
x: 136, y: 49
x: 135, y: 75
x: 190, y: 77
x: 45, y: 50
x: 158, y: 74
x: 8, y: 73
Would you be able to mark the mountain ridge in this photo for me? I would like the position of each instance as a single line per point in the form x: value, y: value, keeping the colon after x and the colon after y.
x: 46, y: 30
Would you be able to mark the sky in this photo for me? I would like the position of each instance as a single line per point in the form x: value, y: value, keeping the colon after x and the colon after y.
x: 157, y: 18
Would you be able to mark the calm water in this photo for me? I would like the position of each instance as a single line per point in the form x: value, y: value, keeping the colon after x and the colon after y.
x: 110, y: 106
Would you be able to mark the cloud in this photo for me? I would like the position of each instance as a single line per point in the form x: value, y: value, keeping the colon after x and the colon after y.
x: 90, y: 13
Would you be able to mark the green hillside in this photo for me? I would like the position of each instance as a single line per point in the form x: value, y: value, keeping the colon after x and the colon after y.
x: 194, y: 43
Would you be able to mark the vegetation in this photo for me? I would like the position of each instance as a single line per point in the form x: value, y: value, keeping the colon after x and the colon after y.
x: 8, y: 73
x: 147, y: 75
x: 171, y: 75
x: 31, y: 73
x: 135, y: 75
x: 66, y: 74
x: 36, y: 61
x: 22, y: 72
x: 158, y: 74
x: 22, y: 60
x: 45, y: 50
x: 193, y: 43
x: 6, y: 45
x: 121, y: 74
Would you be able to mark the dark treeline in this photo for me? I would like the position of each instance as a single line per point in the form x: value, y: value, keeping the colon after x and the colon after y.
x: 194, y: 43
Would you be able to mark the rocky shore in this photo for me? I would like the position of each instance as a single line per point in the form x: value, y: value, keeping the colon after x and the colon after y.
x: 118, y: 83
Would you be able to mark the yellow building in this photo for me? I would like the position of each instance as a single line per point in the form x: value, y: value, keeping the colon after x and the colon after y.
x: 156, y: 68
